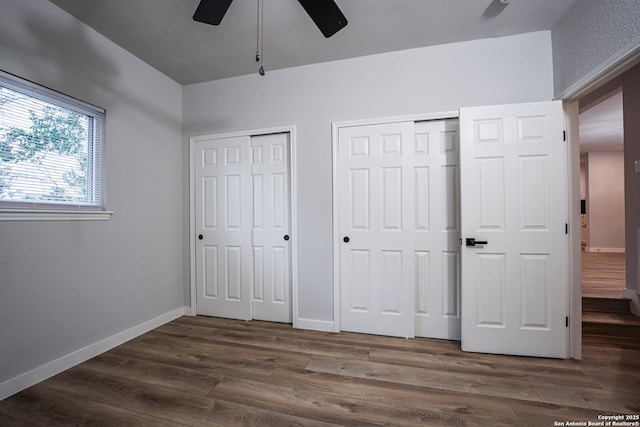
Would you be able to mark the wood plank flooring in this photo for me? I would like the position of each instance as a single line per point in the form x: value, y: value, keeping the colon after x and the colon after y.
x: 201, y: 371
x: 603, y: 274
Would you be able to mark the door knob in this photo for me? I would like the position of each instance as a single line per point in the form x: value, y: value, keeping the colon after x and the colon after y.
x: 346, y: 239
x: 286, y: 237
x: 200, y: 237
x: 471, y: 242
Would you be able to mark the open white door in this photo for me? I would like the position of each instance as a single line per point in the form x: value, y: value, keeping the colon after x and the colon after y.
x: 514, y: 204
x: 223, y: 248
x: 376, y: 225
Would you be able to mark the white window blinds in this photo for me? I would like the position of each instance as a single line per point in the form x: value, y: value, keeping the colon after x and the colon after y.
x: 51, y: 149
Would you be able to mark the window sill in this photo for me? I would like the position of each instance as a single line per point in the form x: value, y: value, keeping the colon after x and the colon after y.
x: 53, y: 215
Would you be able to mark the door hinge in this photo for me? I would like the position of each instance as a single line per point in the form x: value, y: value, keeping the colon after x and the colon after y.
x: 566, y: 228
x: 566, y: 322
x: 564, y: 135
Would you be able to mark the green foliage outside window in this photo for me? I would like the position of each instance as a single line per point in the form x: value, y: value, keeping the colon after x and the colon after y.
x: 44, y: 150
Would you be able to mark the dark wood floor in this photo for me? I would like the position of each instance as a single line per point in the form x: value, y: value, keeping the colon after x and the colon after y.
x: 603, y: 274
x: 205, y: 371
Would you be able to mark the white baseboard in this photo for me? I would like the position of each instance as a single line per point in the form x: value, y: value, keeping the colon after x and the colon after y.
x: 611, y: 250
x: 315, y: 325
x: 41, y: 373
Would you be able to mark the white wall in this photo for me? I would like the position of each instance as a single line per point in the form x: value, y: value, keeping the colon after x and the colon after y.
x: 605, y: 201
x: 66, y: 285
x: 441, y: 78
x: 589, y: 34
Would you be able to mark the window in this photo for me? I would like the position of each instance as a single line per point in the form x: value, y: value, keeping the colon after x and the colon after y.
x: 51, y: 149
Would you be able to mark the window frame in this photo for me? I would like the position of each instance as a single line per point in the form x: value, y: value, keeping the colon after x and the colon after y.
x: 52, y: 210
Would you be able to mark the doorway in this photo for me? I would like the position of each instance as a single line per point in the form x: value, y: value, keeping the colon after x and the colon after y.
x: 602, y: 196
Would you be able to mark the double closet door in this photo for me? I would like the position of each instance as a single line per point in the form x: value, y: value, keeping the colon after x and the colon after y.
x: 457, y: 230
x: 398, y: 198
x: 242, y: 222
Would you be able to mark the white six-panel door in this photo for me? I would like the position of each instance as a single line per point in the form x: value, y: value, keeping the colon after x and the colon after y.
x: 514, y: 197
x: 223, y: 248
x: 242, y: 204
x: 270, y: 242
x: 437, y: 229
x: 376, y: 209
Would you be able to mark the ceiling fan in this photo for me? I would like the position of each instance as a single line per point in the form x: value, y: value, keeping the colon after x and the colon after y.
x: 325, y: 13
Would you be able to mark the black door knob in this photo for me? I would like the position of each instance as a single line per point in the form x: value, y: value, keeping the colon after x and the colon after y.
x: 200, y: 237
x: 286, y: 237
x: 346, y: 239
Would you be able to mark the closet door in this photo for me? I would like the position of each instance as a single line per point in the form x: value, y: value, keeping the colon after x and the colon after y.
x: 270, y: 228
x: 376, y: 204
x: 223, y: 245
x: 437, y: 229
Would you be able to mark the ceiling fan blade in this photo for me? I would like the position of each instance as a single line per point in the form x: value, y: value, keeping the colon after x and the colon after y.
x: 211, y: 11
x: 326, y: 14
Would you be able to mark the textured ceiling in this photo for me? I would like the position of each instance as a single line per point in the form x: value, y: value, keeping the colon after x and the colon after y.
x: 162, y: 33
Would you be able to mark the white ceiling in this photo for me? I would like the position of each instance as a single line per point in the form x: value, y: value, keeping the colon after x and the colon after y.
x: 163, y: 34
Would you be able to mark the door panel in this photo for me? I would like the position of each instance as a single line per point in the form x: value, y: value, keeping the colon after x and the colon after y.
x: 359, y: 199
x: 437, y: 229
x: 271, y: 279
x: 223, y: 254
x: 490, y: 196
x: 491, y: 293
x: 233, y: 274
x: 534, y: 272
x: 376, y: 196
x: 392, y: 282
x: 514, y: 197
x: 534, y: 197
x: 210, y: 273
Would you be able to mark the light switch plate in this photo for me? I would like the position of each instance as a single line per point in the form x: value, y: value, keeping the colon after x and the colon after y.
x: 637, y: 166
